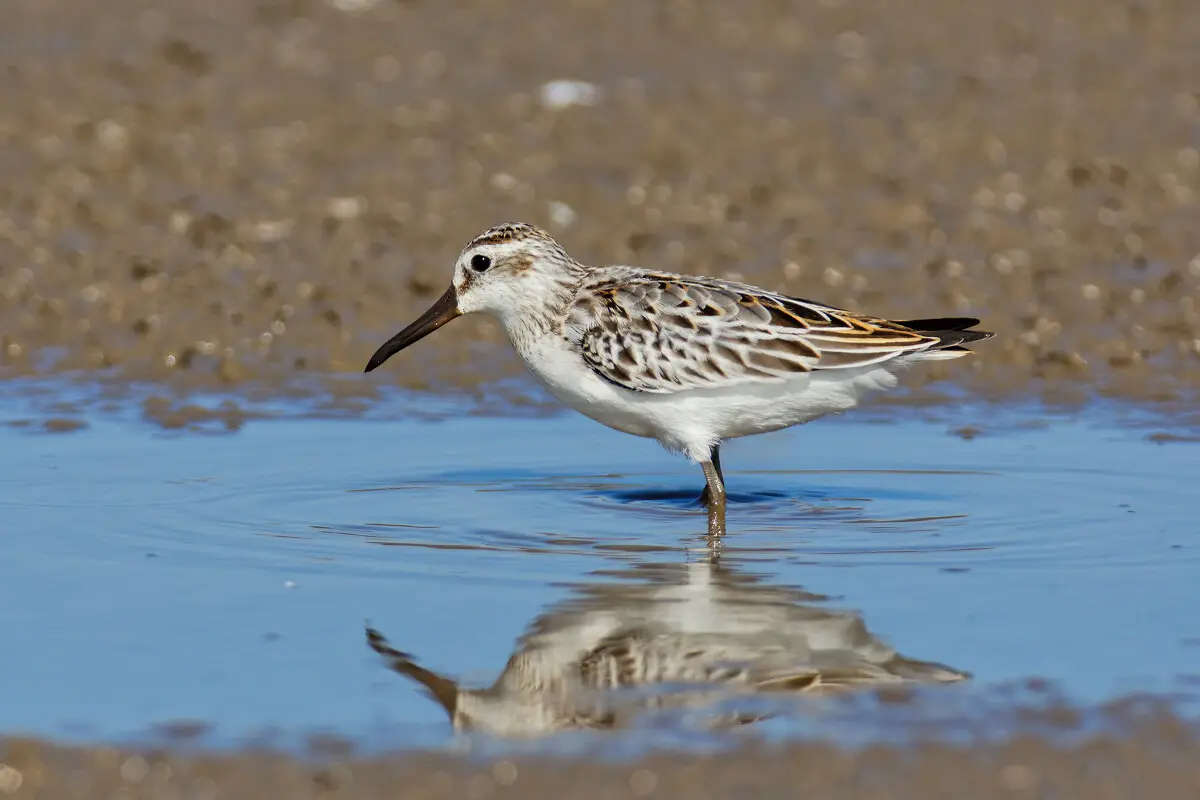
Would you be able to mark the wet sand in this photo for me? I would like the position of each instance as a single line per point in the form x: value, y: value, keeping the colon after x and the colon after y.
x: 1161, y: 761
x: 257, y: 194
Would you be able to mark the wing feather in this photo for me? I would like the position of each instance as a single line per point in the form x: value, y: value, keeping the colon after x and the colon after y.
x: 663, y: 333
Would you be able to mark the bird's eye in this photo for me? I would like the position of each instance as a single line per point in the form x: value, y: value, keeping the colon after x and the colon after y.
x: 480, y: 262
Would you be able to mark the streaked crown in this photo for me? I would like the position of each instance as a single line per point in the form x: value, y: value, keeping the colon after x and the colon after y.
x: 512, y: 232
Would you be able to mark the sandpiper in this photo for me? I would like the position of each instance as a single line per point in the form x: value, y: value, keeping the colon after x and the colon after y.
x: 686, y: 360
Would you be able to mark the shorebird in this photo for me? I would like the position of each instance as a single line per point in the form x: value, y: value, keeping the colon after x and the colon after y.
x: 700, y: 638
x: 686, y: 360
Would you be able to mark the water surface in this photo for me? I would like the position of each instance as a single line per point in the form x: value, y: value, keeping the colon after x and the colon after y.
x: 150, y: 576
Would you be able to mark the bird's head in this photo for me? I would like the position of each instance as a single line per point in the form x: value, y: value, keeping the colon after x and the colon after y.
x: 508, y: 271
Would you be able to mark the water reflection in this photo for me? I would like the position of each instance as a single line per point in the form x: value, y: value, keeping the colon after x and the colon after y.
x: 705, y: 639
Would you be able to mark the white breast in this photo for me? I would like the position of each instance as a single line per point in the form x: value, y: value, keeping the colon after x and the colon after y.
x: 558, y: 367
x: 692, y: 421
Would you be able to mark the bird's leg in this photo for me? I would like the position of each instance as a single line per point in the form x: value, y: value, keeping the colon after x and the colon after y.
x: 716, y: 525
x: 715, y: 495
x: 716, y: 462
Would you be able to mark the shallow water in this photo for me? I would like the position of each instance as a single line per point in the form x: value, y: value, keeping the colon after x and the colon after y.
x: 149, y: 577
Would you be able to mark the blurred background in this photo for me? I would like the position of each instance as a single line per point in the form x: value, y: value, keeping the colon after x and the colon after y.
x: 259, y: 190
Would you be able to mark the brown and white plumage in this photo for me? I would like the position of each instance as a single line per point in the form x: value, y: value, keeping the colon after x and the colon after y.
x: 663, y: 333
x: 686, y: 360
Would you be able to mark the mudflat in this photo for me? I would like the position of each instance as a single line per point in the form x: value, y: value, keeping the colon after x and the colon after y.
x: 259, y: 193
x: 1159, y: 761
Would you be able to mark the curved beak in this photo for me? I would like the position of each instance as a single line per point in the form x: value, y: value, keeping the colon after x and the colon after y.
x: 441, y: 312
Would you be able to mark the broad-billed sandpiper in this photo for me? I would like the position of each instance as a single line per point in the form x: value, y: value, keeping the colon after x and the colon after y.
x: 686, y: 360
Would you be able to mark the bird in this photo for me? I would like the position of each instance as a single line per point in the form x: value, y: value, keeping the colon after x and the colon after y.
x: 686, y: 360
x: 721, y: 645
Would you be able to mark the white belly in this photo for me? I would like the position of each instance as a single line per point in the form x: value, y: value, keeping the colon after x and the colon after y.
x: 693, y: 421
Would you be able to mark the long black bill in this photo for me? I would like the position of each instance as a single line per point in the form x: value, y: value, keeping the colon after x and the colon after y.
x: 444, y: 310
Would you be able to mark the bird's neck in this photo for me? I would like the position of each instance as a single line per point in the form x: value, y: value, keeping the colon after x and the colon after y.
x: 541, y: 309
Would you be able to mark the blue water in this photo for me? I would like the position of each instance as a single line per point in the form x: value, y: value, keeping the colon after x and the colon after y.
x: 148, y: 577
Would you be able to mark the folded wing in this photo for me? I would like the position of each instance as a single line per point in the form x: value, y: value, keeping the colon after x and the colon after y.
x: 662, y: 333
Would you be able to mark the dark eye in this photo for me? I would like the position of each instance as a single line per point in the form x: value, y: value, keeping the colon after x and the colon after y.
x: 480, y: 262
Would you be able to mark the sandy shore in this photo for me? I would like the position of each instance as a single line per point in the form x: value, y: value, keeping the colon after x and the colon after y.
x: 1157, y: 760
x: 260, y: 193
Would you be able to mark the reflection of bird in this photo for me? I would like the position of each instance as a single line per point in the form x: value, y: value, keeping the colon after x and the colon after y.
x: 688, y: 361
x: 697, y: 633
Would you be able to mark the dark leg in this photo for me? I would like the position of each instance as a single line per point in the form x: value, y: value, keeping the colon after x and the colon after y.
x: 715, y: 495
x: 716, y: 462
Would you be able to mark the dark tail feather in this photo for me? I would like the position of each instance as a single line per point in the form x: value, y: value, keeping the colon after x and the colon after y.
x: 951, y: 332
